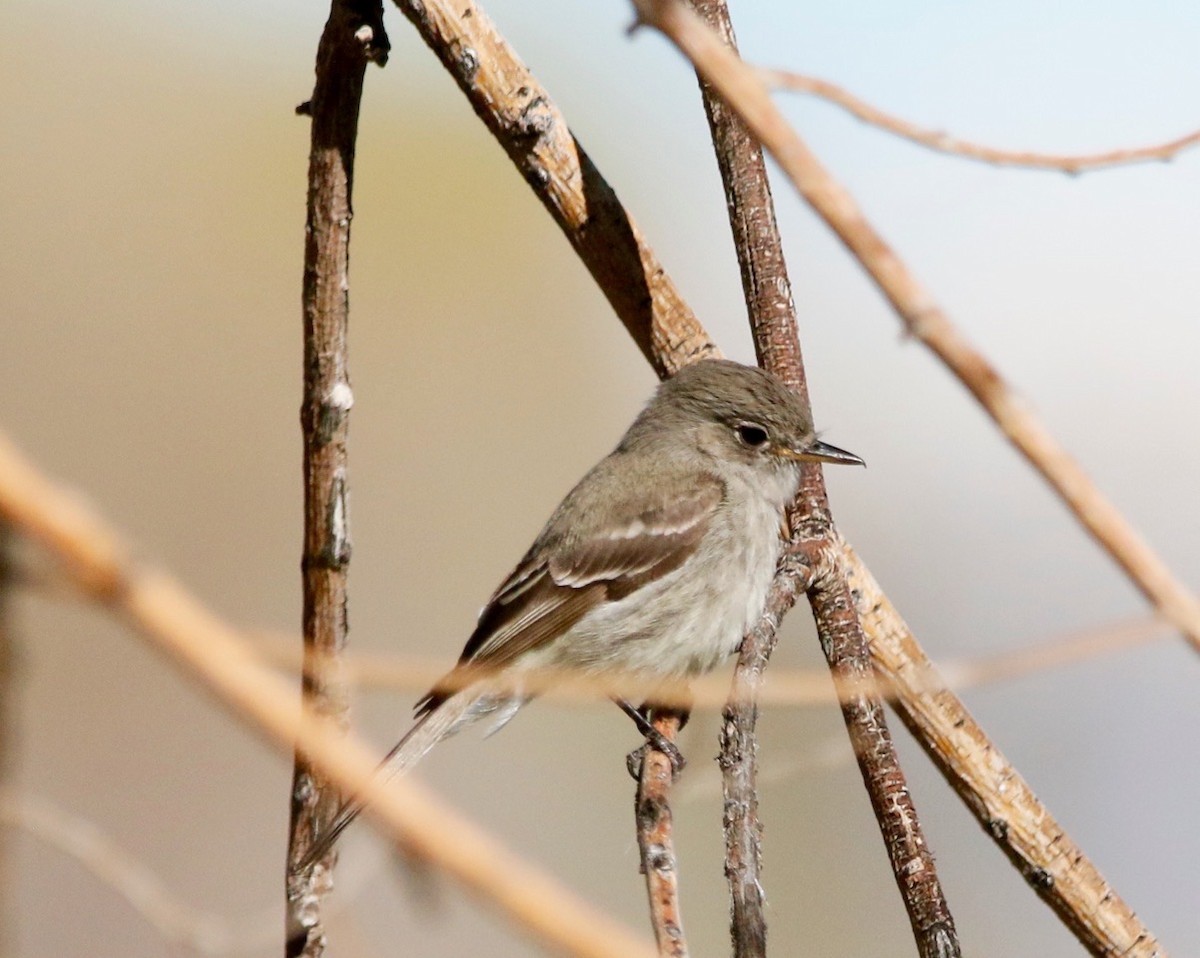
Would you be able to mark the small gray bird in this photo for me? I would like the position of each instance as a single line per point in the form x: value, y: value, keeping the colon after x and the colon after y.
x: 656, y: 563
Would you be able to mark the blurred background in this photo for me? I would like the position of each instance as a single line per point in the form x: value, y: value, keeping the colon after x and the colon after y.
x: 153, y: 176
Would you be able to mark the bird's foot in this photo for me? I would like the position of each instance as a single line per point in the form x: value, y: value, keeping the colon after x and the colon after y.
x: 659, y: 743
x: 654, y: 738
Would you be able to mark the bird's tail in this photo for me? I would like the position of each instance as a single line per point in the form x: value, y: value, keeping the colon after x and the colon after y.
x: 454, y: 713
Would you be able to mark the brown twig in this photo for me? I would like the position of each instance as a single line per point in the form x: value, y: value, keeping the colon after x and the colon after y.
x: 167, y: 911
x: 767, y: 290
x: 224, y: 664
x: 181, y: 925
x: 740, y: 85
x: 789, y: 687
x: 943, y: 142
x: 845, y: 647
x: 738, y: 760
x: 353, y: 36
x: 652, y: 812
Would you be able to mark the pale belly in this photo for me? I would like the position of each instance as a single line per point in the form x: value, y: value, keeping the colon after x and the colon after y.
x: 691, y: 620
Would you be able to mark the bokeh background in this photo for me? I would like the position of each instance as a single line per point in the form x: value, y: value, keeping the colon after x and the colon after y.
x: 153, y: 177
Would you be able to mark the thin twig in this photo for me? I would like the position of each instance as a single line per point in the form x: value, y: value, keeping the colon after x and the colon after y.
x: 353, y: 35
x: 788, y: 688
x: 223, y: 662
x: 667, y: 312
x: 738, y: 760
x: 740, y: 85
x: 767, y: 290
x: 945, y: 143
x: 167, y: 911
x: 652, y: 812
x: 175, y: 920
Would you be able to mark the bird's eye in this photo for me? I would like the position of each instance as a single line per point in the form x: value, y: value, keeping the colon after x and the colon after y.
x: 751, y: 435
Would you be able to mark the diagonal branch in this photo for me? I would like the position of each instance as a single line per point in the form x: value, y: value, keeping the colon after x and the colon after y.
x: 1053, y: 865
x: 767, y: 290
x: 353, y: 35
x: 223, y: 662
x: 922, y: 317
x: 518, y: 111
x: 942, y: 142
x: 183, y: 928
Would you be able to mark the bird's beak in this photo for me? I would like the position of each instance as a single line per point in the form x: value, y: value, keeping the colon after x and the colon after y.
x: 818, y: 451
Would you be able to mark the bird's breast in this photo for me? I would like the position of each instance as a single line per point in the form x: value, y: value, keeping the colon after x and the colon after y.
x: 693, y: 618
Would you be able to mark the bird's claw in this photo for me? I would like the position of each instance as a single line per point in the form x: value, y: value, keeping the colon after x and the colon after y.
x: 659, y: 743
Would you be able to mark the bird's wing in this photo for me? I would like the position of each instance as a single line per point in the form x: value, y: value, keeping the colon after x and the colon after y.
x: 643, y: 536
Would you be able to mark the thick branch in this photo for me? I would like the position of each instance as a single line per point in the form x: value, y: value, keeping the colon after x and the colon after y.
x: 944, y: 143
x: 224, y: 664
x: 772, y: 318
x: 1053, y: 865
x: 652, y: 811
x: 353, y: 35
x: 740, y: 85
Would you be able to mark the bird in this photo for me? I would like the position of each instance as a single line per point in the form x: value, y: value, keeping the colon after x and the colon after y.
x: 655, y: 564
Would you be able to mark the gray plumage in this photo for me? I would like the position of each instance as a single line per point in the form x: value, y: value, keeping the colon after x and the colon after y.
x: 657, y: 562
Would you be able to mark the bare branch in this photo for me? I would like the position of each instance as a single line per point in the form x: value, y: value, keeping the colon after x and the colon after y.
x: 655, y: 842
x: 1053, y: 865
x: 789, y: 687
x: 223, y: 662
x: 847, y: 652
x: 943, y: 142
x: 353, y: 34
x: 739, y: 769
x: 177, y: 922
x: 792, y: 687
x: 923, y: 318
x: 525, y: 121
x: 772, y: 318
x: 147, y: 893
